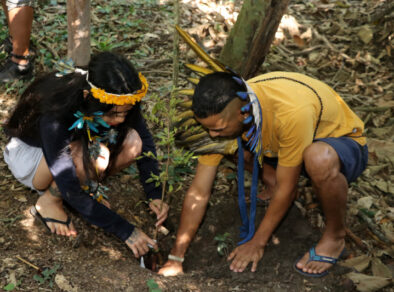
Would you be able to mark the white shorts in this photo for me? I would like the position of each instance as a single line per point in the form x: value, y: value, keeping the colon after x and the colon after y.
x: 22, y: 160
x: 11, y: 4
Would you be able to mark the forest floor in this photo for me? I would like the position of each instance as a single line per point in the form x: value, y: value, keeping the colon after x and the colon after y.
x: 329, y: 40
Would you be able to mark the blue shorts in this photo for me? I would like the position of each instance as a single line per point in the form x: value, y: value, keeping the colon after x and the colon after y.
x: 353, y: 156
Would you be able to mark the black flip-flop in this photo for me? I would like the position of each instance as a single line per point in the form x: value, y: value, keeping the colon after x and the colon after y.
x: 37, y: 215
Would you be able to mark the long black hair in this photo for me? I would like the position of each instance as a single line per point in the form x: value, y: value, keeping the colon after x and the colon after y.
x: 61, y: 97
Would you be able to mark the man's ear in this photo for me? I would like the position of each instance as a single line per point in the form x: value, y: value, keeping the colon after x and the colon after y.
x: 244, y: 114
x: 85, y: 93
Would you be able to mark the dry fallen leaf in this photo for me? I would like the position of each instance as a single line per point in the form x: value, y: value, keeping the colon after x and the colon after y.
x: 21, y: 198
x: 366, y: 283
x: 365, y: 34
x: 379, y: 269
x: 365, y: 202
x: 359, y: 263
x: 64, y: 284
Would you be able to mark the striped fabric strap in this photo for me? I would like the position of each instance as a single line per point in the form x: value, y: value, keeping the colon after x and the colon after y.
x: 175, y: 258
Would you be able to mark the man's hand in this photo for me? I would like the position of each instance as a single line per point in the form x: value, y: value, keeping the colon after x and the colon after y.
x: 138, y: 242
x: 162, y: 213
x: 171, y: 268
x: 244, y: 254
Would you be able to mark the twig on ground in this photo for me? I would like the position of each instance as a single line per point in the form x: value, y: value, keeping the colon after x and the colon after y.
x: 28, y: 263
x: 356, y: 239
x: 155, y: 63
x: 372, y: 226
x: 324, y: 39
x: 306, y: 51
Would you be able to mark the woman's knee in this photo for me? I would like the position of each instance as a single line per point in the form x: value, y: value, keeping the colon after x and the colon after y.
x: 43, y: 177
x: 100, y: 163
x: 321, y: 161
x: 132, y: 146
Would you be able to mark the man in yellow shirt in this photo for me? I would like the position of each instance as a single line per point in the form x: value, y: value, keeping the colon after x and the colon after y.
x: 291, y: 124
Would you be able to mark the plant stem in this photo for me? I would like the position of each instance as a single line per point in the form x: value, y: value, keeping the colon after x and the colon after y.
x: 175, y: 58
x: 175, y: 75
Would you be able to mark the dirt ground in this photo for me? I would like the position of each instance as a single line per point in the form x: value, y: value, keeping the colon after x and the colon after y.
x: 324, y: 41
x: 95, y: 261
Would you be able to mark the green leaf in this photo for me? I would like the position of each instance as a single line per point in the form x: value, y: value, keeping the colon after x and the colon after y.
x: 9, y: 287
x: 38, y: 279
x: 152, y: 284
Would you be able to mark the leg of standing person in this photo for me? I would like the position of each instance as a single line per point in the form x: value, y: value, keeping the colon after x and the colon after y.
x: 20, y: 19
x: 5, y: 9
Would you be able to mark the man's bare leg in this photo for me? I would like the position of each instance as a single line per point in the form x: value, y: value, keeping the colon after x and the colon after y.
x: 269, y: 181
x: 268, y: 176
x: 323, y: 166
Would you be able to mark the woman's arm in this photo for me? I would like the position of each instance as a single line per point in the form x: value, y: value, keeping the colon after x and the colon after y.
x: 147, y: 165
x: 55, y: 140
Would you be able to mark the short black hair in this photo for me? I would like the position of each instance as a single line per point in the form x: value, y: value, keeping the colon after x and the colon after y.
x: 214, y: 92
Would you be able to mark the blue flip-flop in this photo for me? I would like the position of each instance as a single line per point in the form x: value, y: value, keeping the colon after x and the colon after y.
x: 313, y: 257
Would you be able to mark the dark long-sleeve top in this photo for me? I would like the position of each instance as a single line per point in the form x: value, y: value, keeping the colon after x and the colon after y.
x: 54, y: 140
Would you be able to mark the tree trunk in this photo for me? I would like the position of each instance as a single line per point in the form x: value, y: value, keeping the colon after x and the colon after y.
x: 236, y: 49
x: 263, y: 38
x: 252, y: 35
x: 78, y: 19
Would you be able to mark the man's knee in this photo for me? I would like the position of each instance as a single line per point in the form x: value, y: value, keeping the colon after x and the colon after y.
x: 321, y: 162
x: 132, y: 146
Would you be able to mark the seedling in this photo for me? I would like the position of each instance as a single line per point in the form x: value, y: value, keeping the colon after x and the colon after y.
x: 42, y: 276
x: 47, y: 275
x: 224, y: 242
x: 153, y: 286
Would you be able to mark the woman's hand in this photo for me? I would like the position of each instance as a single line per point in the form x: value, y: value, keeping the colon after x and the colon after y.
x: 140, y: 243
x: 161, y: 210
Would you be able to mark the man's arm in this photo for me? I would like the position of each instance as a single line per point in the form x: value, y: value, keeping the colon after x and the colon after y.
x: 252, y: 251
x: 193, y: 211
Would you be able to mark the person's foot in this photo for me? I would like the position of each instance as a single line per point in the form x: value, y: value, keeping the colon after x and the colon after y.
x: 329, y: 248
x: 12, y: 71
x: 266, y: 194
x: 52, y: 207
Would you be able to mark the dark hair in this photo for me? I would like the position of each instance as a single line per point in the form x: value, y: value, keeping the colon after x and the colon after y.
x: 61, y: 97
x: 213, y: 93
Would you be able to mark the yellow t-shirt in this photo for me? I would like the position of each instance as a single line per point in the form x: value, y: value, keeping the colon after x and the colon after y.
x: 292, y: 104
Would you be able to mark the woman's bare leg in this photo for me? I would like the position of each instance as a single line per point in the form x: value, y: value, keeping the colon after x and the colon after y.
x: 50, y: 204
x: 132, y: 147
